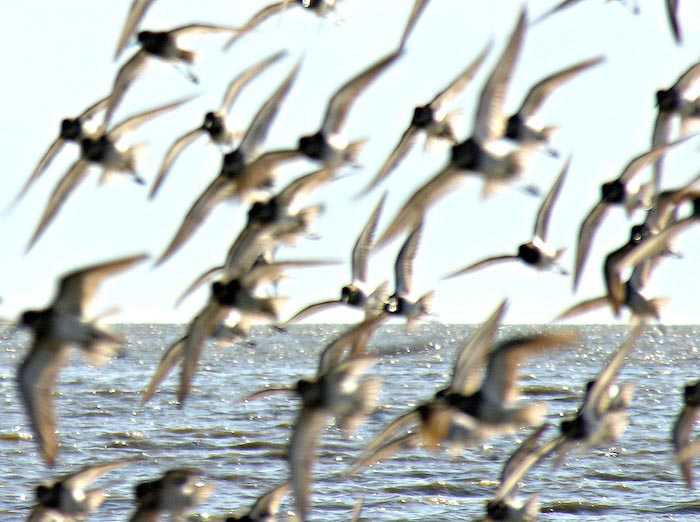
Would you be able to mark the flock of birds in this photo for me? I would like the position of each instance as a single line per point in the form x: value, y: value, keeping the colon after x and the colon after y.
x: 482, y: 399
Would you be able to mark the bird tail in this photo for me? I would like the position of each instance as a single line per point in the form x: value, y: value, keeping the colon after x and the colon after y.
x: 188, y: 57
x: 352, y: 152
x: 532, y: 414
x: 308, y: 217
x: 271, y: 307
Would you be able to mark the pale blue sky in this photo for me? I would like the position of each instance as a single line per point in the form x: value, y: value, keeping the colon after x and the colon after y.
x: 58, y: 60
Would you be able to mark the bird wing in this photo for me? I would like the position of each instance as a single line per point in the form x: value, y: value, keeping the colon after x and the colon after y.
x: 363, y: 245
x: 200, y: 330
x: 460, y: 83
x: 539, y: 92
x: 36, y: 377
x: 341, y: 102
x: 218, y: 190
x: 585, y: 237
x: 239, y: 82
x: 180, y: 144
x: 71, y: 179
x: 413, y: 211
x: 127, y: 73
x: 131, y: 124
x: 77, y: 290
x: 406, y: 143
x: 403, y: 268
x: 501, y: 380
x: 470, y: 359
x: 489, y: 122
x: 545, y: 211
x: 253, y: 141
x: 137, y: 11
x: 483, y: 263
x: 302, y: 448
x: 268, y: 504
x: 48, y: 156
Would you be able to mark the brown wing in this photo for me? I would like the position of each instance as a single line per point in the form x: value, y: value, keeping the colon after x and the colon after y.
x: 36, y: 377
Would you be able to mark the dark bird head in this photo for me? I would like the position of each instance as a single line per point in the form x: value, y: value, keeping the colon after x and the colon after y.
x: 352, y: 295
x: 395, y: 304
x: 314, y: 146
x: 71, y: 129
x: 422, y: 117
x: 214, y: 125
x: 311, y: 392
x: 244, y: 518
x: 226, y: 294
x: 311, y: 4
x: 498, y: 510
x: 529, y: 253
x: 233, y: 164
x: 31, y: 318
x: 263, y: 212
x: 613, y: 191
x: 466, y: 155
x: 49, y: 495
x: 691, y: 394
x: 96, y: 150
x: 574, y: 429
x: 514, y: 127
x: 696, y: 207
x: 667, y: 99
x: 638, y: 233
x: 153, y: 41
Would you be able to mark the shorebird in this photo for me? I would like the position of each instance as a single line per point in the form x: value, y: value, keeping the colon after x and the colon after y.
x: 522, y: 127
x: 55, y: 329
x: 623, y: 191
x: 162, y: 45
x: 537, y: 253
x: 432, y: 119
x: 244, y: 172
x: 176, y: 492
x: 215, y: 124
x: 481, y: 154
x: 681, y: 102
x: 72, y: 130
x: 356, y: 294
x: 603, y: 417
x: 481, y: 400
x: 68, y: 498
x: 335, y: 391
x: 108, y: 151
x: 400, y: 302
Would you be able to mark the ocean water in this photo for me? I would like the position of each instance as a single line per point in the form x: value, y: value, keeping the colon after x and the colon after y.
x: 241, y: 446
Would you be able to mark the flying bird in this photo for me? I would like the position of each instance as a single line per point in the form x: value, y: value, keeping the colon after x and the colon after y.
x: 537, y: 253
x: 244, y: 171
x: 522, y: 127
x: 681, y: 102
x: 431, y: 119
x: 335, y: 391
x: 176, y: 492
x: 480, y: 154
x: 55, y: 329
x: 72, y: 130
x: 215, y: 125
x: 68, y: 497
x: 107, y: 150
x: 626, y: 191
x: 162, y: 45
x: 356, y: 294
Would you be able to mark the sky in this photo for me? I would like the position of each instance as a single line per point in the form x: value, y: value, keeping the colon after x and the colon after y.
x: 58, y: 60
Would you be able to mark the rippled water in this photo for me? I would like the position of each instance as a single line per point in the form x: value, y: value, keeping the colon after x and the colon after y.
x: 242, y: 445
